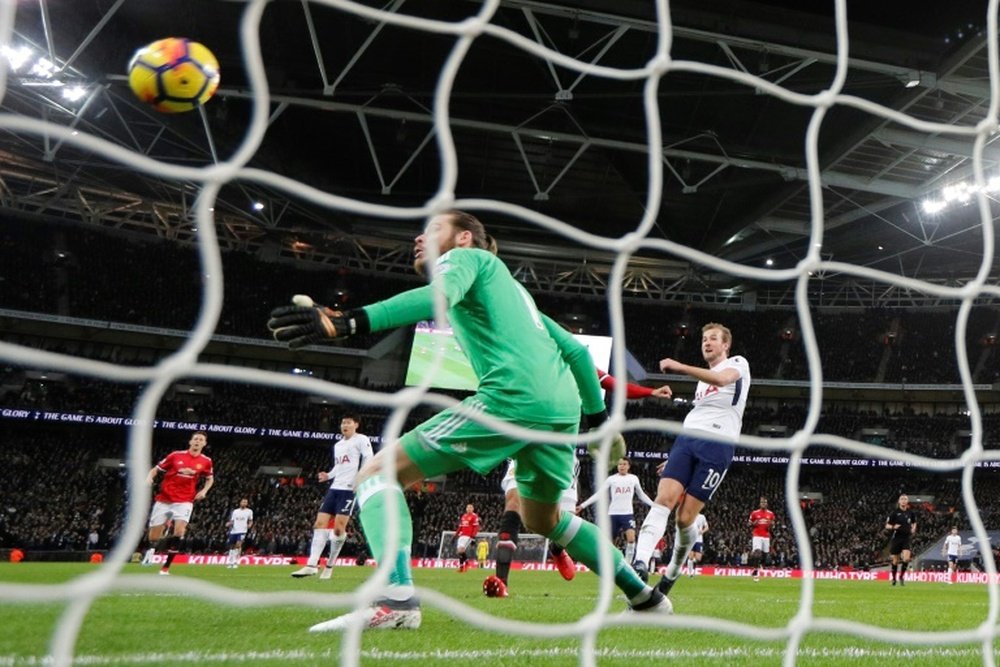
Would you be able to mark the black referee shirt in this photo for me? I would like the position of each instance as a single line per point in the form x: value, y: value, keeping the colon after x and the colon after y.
x: 905, y: 519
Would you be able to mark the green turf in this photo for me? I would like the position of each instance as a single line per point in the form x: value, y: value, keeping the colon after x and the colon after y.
x: 172, y: 629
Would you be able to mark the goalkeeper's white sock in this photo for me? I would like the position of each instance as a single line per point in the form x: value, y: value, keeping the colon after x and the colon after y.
x: 652, y: 530
x: 683, y: 541
x: 320, y: 537
x: 336, y: 544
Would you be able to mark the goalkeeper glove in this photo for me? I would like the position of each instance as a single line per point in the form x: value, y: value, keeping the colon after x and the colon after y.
x: 307, y: 323
x: 618, y: 449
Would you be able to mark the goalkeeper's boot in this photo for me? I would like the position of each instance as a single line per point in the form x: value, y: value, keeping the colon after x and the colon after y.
x: 306, y: 571
x: 642, y: 570
x: 565, y: 565
x: 658, y: 604
x: 382, y: 615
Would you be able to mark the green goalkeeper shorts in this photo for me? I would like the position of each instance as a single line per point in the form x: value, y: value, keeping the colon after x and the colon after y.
x: 450, y: 441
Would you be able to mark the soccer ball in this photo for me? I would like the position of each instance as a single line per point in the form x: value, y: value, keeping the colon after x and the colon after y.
x: 173, y: 74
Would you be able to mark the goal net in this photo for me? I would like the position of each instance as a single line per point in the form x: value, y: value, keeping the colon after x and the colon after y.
x: 477, y: 26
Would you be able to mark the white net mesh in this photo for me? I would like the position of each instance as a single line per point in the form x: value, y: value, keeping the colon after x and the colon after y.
x: 81, y: 593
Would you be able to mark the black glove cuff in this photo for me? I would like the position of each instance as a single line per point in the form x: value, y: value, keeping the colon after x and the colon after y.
x: 358, y: 321
x: 596, y: 419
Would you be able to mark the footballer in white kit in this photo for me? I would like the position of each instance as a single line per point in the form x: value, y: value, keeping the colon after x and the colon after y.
x: 349, y: 454
x: 698, y: 548
x: 701, y: 454
x: 240, y: 522
x: 953, y: 546
x: 623, y: 487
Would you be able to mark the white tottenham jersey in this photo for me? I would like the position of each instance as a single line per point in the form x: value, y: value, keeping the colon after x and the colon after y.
x: 954, y: 544
x: 568, y: 497
x: 348, y: 456
x: 700, y: 524
x: 241, y: 519
x: 719, y: 410
x: 623, y: 489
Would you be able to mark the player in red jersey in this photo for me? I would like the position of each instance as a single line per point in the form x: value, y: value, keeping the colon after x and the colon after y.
x: 761, y: 519
x: 468, y: 528
x: 178, y: 491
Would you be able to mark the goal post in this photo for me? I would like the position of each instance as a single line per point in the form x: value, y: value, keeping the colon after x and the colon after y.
x: 531, y: 547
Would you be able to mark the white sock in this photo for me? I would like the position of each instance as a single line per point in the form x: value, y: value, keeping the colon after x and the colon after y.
x: 683, y: 541
x: 652, y: 530
x: 690, y: 564
x: 629, y: 551
x: 234, y: 556
x: 336, y: 544
x: 320, y: 536
x: 150, y: 552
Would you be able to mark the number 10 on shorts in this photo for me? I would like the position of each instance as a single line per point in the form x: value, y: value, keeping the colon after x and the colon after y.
x: 712, y: 481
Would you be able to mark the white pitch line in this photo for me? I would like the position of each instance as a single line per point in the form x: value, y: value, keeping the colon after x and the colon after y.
x: 540, y: 653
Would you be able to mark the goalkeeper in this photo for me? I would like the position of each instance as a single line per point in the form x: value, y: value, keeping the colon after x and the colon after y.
x: 531, y: 372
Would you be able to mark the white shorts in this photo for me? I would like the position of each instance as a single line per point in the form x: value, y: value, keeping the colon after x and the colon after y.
x: 762, y: 544
x: 463, y: 542
x: 508, y: 483
x: 163, y: 512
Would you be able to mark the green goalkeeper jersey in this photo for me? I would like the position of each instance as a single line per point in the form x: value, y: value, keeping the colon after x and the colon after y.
x: 530, y: 369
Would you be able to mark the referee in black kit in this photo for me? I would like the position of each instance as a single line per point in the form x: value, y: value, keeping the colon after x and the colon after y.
x: 901, y: 525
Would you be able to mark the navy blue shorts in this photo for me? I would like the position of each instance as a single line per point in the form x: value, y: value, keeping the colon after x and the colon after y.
x: 952, y: 558
x: 620, y: 523
x: 338, y: 501
x: 698, y: 547
x: 699, y: 465
x: 236, y: 537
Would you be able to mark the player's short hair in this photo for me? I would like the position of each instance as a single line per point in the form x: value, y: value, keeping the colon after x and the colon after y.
x: 727, y: 335
x: 353, y: 416
x: 203, y: 434
x: 470, y: 223
x: 625, y: 459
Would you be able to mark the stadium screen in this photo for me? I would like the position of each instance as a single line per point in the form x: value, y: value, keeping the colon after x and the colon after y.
x: 455, y: 371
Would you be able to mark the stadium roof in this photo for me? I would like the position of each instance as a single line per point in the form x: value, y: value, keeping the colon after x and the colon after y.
x: 351, y: 114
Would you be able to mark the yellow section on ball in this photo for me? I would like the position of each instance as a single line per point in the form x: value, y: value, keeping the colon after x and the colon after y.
x: 174, y: 74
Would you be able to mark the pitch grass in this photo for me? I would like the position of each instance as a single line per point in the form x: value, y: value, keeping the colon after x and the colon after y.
x: 126, y: 628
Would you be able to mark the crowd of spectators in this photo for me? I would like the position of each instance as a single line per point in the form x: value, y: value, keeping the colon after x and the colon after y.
x: 87, y: 273
x: 65, y: 491
x: 937, y: 435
